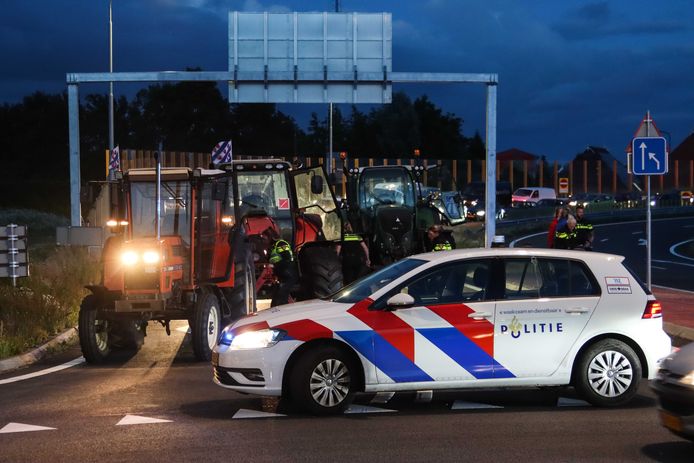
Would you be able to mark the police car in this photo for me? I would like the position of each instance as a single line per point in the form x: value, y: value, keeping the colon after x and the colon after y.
x: 456, y: 319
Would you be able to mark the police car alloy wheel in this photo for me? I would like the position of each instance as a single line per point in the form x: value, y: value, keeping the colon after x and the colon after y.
x: 323, y: 380
x: 609, y: 374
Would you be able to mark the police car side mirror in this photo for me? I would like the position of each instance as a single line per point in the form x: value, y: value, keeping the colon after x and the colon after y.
x: 400, y: 301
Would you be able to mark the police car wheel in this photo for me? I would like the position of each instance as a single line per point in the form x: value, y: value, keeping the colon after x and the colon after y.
x: 608, y: 373
x: 323, y: 381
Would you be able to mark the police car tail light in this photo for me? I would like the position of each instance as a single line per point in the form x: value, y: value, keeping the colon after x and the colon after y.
x: 653, y: 310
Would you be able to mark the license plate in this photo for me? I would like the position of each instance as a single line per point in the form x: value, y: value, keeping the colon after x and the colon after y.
x: 671, y: 421
x: 215, y: 358
x: 150, y: 269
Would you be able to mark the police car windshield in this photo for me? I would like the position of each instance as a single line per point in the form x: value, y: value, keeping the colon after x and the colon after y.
x: 365, y: 287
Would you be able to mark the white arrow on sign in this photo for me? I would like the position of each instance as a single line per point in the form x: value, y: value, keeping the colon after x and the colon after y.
x: 651, y: 156
x: 643, y: 155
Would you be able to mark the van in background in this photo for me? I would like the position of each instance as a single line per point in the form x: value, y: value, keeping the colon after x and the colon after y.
x: 528, y: 196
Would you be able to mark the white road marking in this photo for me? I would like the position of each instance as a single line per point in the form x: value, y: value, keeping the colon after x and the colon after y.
x: 382, y: 397
x: 567, y: 402
x: 463, y: 405
x: 637, y: 233
x: 659, y: 268
x: 184, y: 329
x: 47, y: 371
x: 19, y: 427
x: 354, y: 409
x: 134, y: 419
x: 245, y: 413
x: 424, y: 396
x: 676, y: 245
x: 604, y: 240
x: 672, y: 262
x: 642, y: 242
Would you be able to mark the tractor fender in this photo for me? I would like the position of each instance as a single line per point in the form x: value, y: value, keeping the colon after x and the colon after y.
x: 104, y: 296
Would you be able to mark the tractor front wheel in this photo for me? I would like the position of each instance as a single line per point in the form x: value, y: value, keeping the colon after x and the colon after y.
x: 321, y: 271
x: 93, y: 332
x: 206, y: 325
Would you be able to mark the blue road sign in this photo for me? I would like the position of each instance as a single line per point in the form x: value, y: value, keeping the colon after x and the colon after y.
x: 649, y: 155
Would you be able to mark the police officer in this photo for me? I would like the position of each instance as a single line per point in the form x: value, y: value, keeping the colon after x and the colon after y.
x: 355, y: 256
x: 584, y: 230
x: 565, y: 237
x: 438, y: 240
x: 282, y: 259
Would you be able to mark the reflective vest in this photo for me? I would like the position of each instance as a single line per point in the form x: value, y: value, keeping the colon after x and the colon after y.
x: 443, y: 246
x: 352, y: 237
x: 277, y: 250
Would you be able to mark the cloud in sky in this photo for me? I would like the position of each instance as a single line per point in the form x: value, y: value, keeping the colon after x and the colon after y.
x: 571, y: 73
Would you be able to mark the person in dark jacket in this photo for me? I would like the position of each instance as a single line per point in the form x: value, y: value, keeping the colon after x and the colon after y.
x: 355, y: 256
x: 285, y: 269
x: 438, y: 239
x: 584, y: 230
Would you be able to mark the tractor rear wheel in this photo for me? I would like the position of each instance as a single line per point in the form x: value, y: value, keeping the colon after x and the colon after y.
x: 321, y: 271
x: 93, y: 333
x: 206, y: 326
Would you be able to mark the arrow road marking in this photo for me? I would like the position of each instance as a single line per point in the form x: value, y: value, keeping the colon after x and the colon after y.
x: 642, y: 242
x: 134, y: 419
x: 464, y: 405
x: 19, y: 427
x: 245, y: 413
x: 382, y: 397
x: 353, y: 409
x: 567, y: 402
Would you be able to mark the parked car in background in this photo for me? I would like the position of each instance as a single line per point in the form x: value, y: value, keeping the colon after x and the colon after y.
x: 674, y: 386
x: 475, y: 191
x: 523, y: 197
x: 628, y: 199
x: 477, y: 212
x: 557, y: 202
x: 588, y: 199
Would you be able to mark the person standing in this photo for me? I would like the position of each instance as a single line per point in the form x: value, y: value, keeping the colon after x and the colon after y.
x: 286, y: 271
x: 565, y: 236
x: 584, y: 230
x: 553, y: 227
x: 355, y: 256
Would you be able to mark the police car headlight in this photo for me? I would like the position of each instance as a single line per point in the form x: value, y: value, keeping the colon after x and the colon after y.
x: 255, y: 339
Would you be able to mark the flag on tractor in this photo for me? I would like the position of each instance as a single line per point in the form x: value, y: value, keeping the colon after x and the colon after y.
x: 221, y: 153
x: 114, y: 161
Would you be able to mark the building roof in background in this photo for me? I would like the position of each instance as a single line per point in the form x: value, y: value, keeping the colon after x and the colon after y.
x: 514, y: 154
x: 685, y: 150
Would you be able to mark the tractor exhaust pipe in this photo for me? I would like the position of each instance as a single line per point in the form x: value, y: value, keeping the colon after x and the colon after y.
x: 157, y: 158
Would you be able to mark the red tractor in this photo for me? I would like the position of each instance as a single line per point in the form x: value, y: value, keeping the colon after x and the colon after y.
x: 194, y: 245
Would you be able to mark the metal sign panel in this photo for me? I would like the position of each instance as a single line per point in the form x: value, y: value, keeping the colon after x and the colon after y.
x: 5, y: 245
x: 649, y: 155
x: 18, y: 258
x: 79, y: 236
x: 310, y: 57
x: 21, y: 271
x: 17, y: 231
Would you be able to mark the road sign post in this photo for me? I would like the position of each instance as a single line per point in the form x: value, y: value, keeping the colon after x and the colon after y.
x: 14, y: 259
x: 649, y: 156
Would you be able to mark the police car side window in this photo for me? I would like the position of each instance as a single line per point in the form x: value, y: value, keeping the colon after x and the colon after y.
x: 523, y: 279
x: 566, y: 278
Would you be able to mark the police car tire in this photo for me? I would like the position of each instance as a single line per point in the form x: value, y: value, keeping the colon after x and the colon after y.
x: 94, y: 351
x: 591, y: 358
x: 321, y: 271
x: 301, y: 375
x: 206, y: 303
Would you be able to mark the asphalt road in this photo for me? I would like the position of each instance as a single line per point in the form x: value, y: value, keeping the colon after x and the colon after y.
x: 669, y: 267
x: 85, y: 405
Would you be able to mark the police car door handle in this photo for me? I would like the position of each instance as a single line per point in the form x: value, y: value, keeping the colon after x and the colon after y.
x: 577, y: 310
x: 479, y: 315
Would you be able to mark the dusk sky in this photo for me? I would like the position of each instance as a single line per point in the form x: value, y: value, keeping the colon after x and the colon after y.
x: 571, y: 73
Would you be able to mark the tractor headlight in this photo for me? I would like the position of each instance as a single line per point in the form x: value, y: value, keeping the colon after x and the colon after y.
x: 480, y: 213
x: 150, y: 257
x: 253, y: 339
x: 129, y: 258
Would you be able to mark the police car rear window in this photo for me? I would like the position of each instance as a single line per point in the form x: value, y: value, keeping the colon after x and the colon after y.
x: 365, y: 287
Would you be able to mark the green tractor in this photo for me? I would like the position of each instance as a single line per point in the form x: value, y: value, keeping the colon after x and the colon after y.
x: 392, y: 207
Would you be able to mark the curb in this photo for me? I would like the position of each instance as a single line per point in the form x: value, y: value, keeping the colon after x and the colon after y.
x: 679, y: 332
x: 22, y: 360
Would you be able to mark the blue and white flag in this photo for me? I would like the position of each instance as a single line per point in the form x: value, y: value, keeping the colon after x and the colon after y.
x: 114, y: 161
x: 221, y: 153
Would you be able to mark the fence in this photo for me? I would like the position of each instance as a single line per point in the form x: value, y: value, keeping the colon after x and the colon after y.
x: 594, y: 176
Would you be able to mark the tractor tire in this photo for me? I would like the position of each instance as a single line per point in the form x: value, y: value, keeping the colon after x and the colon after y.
x: 93, y: 333
x: 243, y: 297
x: 207, y: 321
x: 321, y: 272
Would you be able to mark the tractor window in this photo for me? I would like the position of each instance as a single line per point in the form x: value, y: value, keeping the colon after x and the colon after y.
x: 267, y: 191
x: 175, y: 209
x: 386, y: 186
x: 322, y: 204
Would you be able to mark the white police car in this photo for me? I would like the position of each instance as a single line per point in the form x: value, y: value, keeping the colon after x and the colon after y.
x: 456, y: 319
